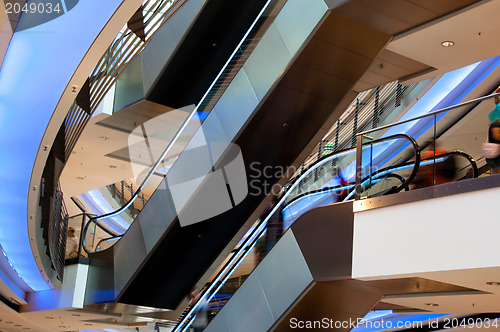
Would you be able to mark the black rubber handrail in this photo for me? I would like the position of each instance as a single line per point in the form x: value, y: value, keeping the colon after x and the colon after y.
x: 404, y: 184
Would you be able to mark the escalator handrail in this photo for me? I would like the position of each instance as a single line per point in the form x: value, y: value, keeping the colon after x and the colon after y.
x: 145, y: 181
x: 378, y: 140
x: 207, y: 93
x: 98, y: 245
x: 151, y: 171
x: 445, y: 109
x: 383, y: 172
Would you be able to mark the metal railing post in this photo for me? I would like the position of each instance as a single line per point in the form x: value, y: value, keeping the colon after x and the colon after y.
x: 434, y: 152
x: 359, y: 154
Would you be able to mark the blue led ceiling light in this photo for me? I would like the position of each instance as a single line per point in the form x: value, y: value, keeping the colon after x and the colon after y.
x: 38, y: 64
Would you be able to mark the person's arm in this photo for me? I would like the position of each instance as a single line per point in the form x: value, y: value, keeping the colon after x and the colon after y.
x: 495, y: 133
x: 497, y: 98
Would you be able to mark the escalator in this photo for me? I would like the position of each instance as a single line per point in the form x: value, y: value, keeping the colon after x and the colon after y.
x: 158, y: 261
x: 308, y: 276
x: 271, y: 109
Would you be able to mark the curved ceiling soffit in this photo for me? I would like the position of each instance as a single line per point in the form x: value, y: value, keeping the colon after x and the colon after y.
x: 119, y: 18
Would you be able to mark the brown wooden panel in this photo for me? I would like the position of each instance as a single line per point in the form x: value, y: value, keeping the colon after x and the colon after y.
x: 379, y: 21
x: 396, y: 308
x: 325, y: 236
x: 375, y: 79
x: 442, y: 7
x: 388, y: 70
x: 338, y: 304
x: 402, y: 10
x: 396, y: 16
x: 351, y: 35
x: 303, y: 114
x: 317, y: 83
x: 334, y: 60
x: 401, y: 61
x: 349, y: 299
x: 402, y: 286
x: 361, y: 86
x: 130, y: 117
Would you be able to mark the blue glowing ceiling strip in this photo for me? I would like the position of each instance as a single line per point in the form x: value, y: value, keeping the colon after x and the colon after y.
x: 396, y: 321
x: 38, y: 65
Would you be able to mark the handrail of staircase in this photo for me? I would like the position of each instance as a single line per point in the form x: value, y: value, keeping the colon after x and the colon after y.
x: 95, y: 219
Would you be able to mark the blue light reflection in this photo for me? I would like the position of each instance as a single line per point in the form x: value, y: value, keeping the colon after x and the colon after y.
x: 37, y: 67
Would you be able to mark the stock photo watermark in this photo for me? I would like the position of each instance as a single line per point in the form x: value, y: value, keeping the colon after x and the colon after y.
x: 384, y: 324
x: 36, y: 12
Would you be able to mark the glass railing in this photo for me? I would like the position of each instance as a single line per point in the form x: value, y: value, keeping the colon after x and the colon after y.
x: 210, y: 98
x: 372, y: 108
x: 118, y: 194
x: 437, y: 137
x: 96, y: 237
x: 126, y: 46
x: 383, y: 162
x: 245, y: 254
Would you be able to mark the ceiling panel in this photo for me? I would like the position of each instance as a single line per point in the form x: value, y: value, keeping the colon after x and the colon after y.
x: 131, y: 117
x: 399, y: 10
x: 442, y: 7
x: 474, y: 33
x: 382, y: 22
x: 395, y: 16
x: 341, y: 32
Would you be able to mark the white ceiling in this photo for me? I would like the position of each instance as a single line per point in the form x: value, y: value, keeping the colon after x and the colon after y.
x: 456, y: 302
x: 88, y: 167
x: 474, y: 32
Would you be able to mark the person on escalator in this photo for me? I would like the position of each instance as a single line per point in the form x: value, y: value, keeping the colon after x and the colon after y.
x: 201, y: 312
x: 341, y: 195
x: 445, y: 170
x: 71, y: 244
x: 274, y: 231
x: 494, y: 138
x: 494, y: 115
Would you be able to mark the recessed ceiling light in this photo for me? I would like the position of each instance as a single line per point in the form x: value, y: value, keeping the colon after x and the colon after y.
x: 104, y: 138
x: 447, y: 43
x: 432, y: 304
x: 493, y: 283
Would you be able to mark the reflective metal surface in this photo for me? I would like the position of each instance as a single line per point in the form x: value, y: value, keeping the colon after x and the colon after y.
x: 268, y: 292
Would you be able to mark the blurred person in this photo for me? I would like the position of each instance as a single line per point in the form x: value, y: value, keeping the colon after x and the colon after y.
x: 274, y: 231
x: 341, y: 194
x: 445, y: 170
x: 491, y: 149
x: 494, y: 140
x: 495, y: 113
x: 71, y: 244
x: 201, y: 312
